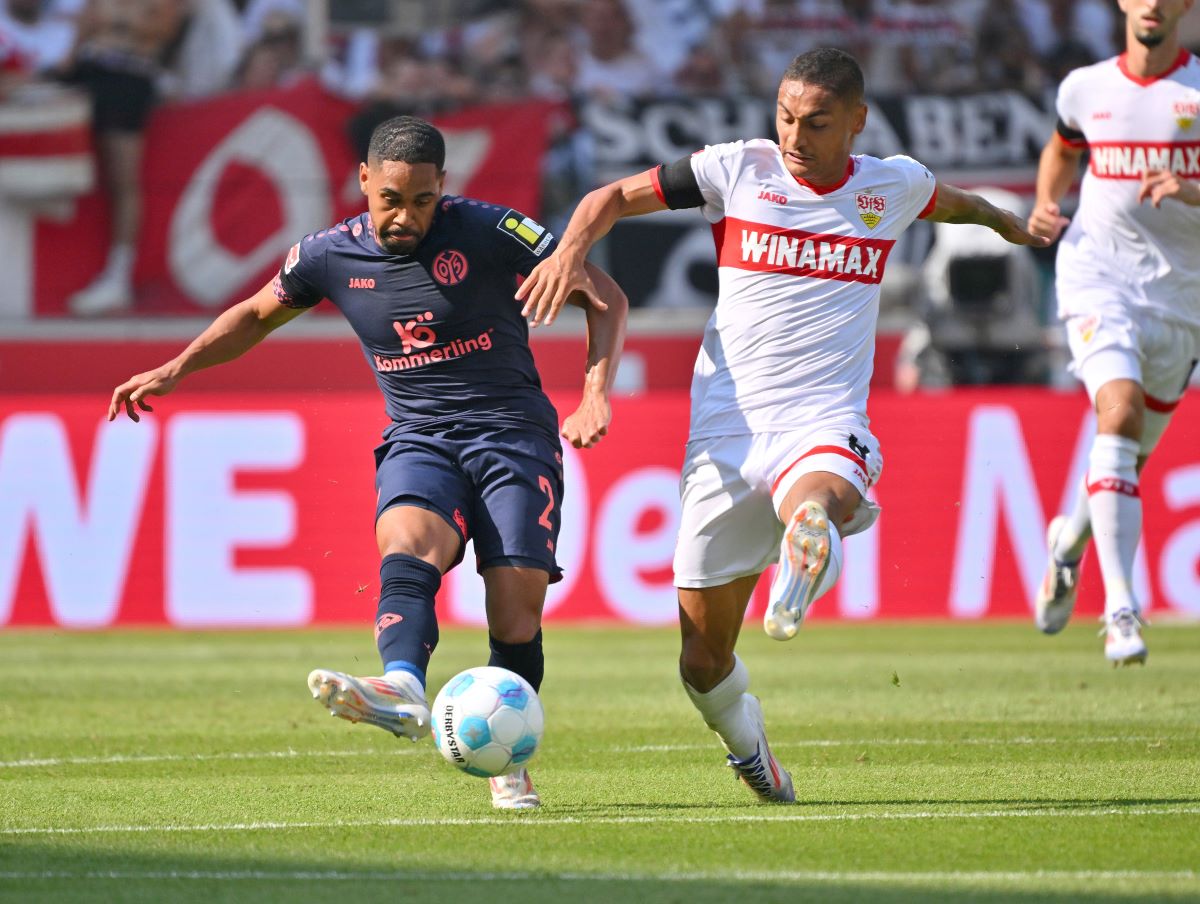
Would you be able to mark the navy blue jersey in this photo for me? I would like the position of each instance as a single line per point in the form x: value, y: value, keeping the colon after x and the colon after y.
x: 440, y: 327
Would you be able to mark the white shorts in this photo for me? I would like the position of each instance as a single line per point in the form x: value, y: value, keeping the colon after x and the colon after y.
x: 1126, y: 342
x: 732, y: 486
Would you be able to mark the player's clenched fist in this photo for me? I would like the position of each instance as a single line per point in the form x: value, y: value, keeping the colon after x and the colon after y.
x: 134, y: 391
x: 1047, y: 221
x: 589, y: 422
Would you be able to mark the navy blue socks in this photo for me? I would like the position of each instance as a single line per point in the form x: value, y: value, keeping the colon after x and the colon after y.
x: 525, y: 659
x: 406, y: 630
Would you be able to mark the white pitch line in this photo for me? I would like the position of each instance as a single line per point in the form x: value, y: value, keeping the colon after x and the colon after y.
x: 646, y: 748
x: 723, y: 818
x: 194, y: 757
x: 920, y: 742
x: 975, y: 876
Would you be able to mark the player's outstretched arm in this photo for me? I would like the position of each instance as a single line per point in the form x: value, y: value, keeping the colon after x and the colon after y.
x: 237, y: 330
x: 554, y: 280
x: 1057, y: 169
x: 1158, y: 185
x: 606, y: 337
x: 954, y: 205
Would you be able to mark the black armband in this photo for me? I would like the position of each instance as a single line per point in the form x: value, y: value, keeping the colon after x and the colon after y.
x: 1073, y: 137
x: 677, y: 185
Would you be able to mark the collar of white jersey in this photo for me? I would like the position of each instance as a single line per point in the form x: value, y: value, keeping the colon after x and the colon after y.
x: 851, y: 169
x: 1181, y: 59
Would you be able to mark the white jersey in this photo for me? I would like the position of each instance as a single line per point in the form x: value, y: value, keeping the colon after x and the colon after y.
x: 1129, y: 125
x: 792, y: 339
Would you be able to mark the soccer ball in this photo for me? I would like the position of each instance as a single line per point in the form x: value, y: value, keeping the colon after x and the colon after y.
x: 487, y: 721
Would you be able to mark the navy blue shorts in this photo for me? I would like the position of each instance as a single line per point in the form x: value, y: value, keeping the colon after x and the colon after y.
x: 500, y: 487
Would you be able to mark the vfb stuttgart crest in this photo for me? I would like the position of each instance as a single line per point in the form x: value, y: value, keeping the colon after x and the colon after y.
x: 1186, y: 113
x: 870, y: 208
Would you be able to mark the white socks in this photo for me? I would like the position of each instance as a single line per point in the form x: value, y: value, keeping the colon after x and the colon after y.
x: 834, y: 570
x: 724, y: 711
x: 1073, y: 537
x: 407, y: 680
x: 1116, y: 515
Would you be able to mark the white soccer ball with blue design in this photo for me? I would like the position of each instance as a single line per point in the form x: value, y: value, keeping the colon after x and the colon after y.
x: 487, y: 721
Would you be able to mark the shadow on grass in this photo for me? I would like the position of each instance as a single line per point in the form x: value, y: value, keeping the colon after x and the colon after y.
x: 807, y: 807
x: 40, y: 874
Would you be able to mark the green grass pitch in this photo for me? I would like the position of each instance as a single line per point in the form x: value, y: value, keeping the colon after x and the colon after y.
x: 933, y: 763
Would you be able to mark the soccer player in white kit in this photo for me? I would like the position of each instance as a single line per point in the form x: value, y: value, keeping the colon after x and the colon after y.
x: 780, y: 454
x: 1128, y: 286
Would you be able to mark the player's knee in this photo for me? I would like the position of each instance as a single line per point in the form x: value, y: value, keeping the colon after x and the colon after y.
x: 515, y: 626
x: 1120, y: 410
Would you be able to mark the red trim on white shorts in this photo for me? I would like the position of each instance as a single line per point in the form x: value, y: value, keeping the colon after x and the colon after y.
x: 819, y: 450
x: 1160, y: 406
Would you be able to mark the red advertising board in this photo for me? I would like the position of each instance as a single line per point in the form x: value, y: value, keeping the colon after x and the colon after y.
x: 241, y: 508
x: 229, y: 184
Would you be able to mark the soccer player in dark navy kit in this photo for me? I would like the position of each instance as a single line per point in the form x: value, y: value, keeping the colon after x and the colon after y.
x: 472, y: 451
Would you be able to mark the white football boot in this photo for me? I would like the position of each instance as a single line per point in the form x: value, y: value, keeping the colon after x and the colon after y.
x: 514, y: 791
x: 390, y: 705
x: 761, y: 772
x: 803, y: 558
x: 1056, y: 595
x: 1123, y: 644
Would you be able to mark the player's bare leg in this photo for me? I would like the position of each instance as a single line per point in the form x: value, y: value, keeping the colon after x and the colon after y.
x: 514, y: 600
x: 810, y: 555
x: 121, y: 159
x: 416, y: 546
x: 710, y: 620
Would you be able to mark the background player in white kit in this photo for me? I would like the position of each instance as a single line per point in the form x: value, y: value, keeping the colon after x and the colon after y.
x: 1128, y: 286
x: 779, y: 454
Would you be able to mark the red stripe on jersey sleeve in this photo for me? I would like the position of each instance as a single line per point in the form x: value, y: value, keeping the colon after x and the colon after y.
x: 928, y: 208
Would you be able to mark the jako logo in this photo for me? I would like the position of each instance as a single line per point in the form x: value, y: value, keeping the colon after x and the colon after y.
x: 360, y: 283
x: 414, y: 336
x: 771, y: 196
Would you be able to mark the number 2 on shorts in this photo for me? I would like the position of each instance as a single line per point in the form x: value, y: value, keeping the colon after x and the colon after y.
x: 547, y: 488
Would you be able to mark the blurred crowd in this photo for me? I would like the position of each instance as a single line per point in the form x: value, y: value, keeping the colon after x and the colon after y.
x: 430, y: 58
x: 435, y: 56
